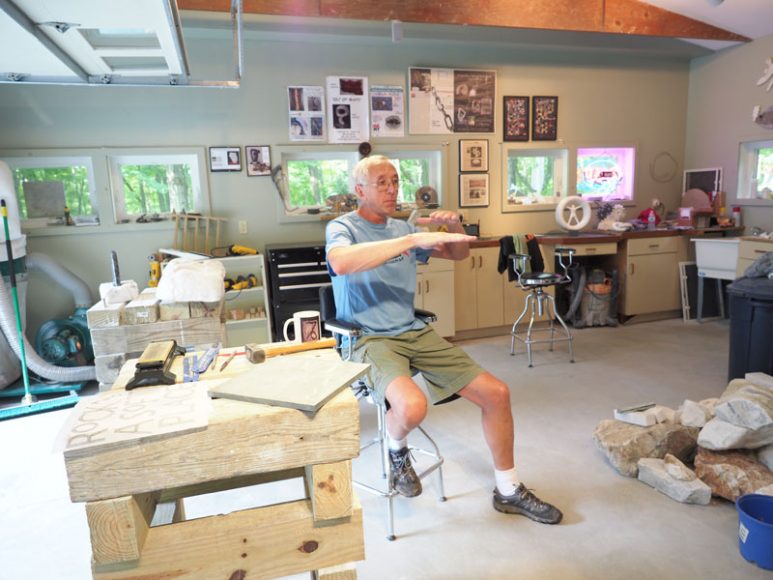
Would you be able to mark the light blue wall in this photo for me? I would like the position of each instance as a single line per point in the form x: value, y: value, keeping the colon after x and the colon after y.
x: 604, y: 99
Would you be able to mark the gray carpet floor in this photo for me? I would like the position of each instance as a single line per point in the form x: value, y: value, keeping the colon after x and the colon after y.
x: 614, y: 527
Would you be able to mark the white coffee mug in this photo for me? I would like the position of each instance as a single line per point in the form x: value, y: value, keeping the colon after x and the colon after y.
x: 306, y: 326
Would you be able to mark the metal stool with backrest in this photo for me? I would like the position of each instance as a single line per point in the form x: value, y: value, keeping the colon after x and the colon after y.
x: 540, y: 301
x: 341, y: 329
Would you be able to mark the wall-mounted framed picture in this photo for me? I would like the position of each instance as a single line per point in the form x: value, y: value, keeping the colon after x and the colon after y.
x: 516, y: 118
x: 544, y: 119
x: 445, y: 101
x: 258, y: 159
x: 473, y: 155
x: 473, y: 190
x: 225, y: 159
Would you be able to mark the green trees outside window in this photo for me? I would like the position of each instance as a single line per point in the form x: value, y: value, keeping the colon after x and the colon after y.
x: 530, y: 177
x: 764, y: 173
x: 313, y: 181
x: 157, y: 188
x: 77, y: 196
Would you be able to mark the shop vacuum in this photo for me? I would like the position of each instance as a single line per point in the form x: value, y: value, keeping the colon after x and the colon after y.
x: 65, y: 343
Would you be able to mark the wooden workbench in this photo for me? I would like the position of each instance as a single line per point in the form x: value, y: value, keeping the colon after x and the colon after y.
x: 243, y: 444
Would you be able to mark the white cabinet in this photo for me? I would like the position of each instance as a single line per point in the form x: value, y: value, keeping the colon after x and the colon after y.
x: 650, y: 282
x: 435, y: 292
x: 749, y: 250
x: 479, y: 291
x: 246, y: 311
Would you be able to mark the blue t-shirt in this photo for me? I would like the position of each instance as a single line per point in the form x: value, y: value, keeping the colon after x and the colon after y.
x: 381, y: 300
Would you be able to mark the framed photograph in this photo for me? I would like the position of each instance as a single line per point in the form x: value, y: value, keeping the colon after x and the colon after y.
x: 473, y: 190
x: 258, y: 160
x: 516, y: 118
x: 544, y: 121
x: 473, y: 155
x: 225, y: 159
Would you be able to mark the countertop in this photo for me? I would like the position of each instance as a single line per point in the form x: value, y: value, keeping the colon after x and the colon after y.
x: 596, y: 236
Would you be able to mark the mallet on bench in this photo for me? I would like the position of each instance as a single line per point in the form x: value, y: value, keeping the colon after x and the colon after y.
x: 257, y: 353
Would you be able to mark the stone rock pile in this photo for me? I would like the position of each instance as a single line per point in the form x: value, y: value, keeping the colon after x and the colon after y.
x: 728, y: 440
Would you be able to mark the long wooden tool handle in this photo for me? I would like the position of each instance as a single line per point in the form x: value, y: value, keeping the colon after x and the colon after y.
x: 299, y: 347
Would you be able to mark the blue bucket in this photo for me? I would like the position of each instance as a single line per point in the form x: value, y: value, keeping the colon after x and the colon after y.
x: 755, y: 529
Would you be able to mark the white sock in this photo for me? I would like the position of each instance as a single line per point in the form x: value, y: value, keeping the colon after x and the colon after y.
x: 507, y: 481
x: 397, y: 444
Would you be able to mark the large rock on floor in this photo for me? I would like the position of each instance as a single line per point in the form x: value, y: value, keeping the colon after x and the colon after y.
x: 731, y: 474
x: 760, y: 379
x: 694, y: 414
x: 624, y: 444
x: 719, y: 435
x: 765, y: 456
x: 673, y: 478
x: 750, y: 406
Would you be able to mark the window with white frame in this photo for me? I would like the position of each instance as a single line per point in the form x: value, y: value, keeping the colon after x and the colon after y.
x: 313, y: 177
x: 755, y: 171
x: 46, y: 185
x: 534, y: 176
x: 150, y: 185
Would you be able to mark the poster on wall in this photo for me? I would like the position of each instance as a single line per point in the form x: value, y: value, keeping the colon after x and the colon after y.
x: 431, y: 100
x: 544, y: 120
x: 306, y: 108
x: 451, y: 101
x: 348, y: 120
x: 387, y: 117
x: 474, y: 92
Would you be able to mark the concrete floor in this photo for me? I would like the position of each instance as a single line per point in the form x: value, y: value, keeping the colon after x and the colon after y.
x: 614, y: 527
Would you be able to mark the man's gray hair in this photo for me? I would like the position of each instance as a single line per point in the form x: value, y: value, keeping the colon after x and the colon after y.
x: 361, y: 171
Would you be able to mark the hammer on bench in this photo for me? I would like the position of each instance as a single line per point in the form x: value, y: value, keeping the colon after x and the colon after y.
x: 257, y: 353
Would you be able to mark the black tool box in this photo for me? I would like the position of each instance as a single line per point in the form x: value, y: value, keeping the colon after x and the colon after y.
x: 295, y: 273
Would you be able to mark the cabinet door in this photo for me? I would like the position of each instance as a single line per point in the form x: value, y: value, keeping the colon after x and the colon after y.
x: 466, y: 293
x: 438, y: 297
x: 652, y: 284
x: 489, y: 288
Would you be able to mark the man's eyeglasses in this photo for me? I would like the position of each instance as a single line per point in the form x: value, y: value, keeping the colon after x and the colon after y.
x: 383, y: 184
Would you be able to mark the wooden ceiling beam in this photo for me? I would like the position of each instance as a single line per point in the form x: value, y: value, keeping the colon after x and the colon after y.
x: 601, y: 16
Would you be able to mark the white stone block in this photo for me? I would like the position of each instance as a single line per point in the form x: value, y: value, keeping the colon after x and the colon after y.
x: 664, y: 414
x: 126, y: 292
x: 760, y: 379
x: 719, y: 435
x: 693, y: 414
x: 750, y: 406
x: 653, y: 472
x: 641, y: 418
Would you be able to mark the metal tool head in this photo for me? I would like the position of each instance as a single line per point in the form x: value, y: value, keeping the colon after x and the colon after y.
x: 114, y: 268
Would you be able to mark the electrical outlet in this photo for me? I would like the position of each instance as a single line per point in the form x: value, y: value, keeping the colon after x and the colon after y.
x: 242, y: 227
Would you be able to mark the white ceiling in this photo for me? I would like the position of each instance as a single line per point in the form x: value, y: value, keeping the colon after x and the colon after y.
x: 751, y: 18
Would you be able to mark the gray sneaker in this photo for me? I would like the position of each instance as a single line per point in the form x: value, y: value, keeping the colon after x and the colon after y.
x: 527, y: 504
x: 404, y: 478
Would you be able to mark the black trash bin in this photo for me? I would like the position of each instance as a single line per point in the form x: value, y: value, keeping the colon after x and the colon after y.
x: 751, y: 327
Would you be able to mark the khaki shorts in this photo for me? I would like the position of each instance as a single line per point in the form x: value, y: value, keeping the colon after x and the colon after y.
x: 446, y: 368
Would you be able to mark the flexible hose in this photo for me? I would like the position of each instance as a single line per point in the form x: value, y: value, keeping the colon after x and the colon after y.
x: 80, y: 291
x: 34, y: 363
x: 577, y: 289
